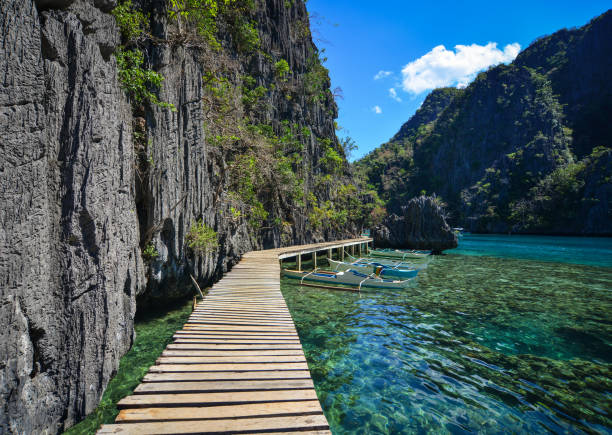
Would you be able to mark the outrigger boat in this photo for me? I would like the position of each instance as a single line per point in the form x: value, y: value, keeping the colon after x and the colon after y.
x: 397, y: 264
x: 378, y: 269
x: 348, y: 277
x: 396, y: 253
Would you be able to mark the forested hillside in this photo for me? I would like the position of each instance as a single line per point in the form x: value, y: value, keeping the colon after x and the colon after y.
x: 526, y: 147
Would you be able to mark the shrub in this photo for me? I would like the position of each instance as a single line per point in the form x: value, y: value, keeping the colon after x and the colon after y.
x: 132, y: 23
x: 246, y: 37
x: 149, y: 253
x: 201, y: 238
x: 135, y: 80
x: 198, y: 14
x: 281, y: 69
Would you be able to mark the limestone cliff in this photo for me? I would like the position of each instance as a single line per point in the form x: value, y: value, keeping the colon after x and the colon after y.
x: 91, y: 179
x: 70, y: 265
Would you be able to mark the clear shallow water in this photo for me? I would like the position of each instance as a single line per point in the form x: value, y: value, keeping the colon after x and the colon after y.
x: 481, y: 344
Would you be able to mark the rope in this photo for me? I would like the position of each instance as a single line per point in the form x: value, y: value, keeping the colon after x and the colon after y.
x: 311, y: 272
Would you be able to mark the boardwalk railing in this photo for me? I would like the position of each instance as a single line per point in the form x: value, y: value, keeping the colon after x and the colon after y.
x: 237, y: 366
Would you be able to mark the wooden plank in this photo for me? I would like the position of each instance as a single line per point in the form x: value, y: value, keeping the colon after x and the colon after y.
x: 250, y: 306
x: 191, y: 399
x: 236, y: 340
x: 262, y: 328
x: 223, y: 347
x: 230, y: 359
x: 207, y: 324
x: 225, y: 385
x: 260, y: 299
x: 277, y: 317
x: 230, y: 315
x: 246, y: 301
x: 232, y: 319
x: 242, y: 425
x: 256, y: 352
x: 273, y: 409
x: 195, y: 320
x: 208, y: 331
x: 233, y: 308
x: 220, y: 376
x: 232, y: 335
x: 259, y: 296
x: 232, y: 311
x: 227, y: 367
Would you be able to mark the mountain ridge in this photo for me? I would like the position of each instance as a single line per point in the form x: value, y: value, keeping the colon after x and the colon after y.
x: 516, y: 144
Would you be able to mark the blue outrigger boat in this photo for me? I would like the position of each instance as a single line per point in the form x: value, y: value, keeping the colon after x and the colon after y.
x: 400, y: 254
x: 378, y: 269
x: 396, y: 264
x: 348, y: 277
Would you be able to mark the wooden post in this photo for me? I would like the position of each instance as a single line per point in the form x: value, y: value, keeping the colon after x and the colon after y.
x: 195, y: 303
x: 314, y: 259
x: 342, y: 252
x: 329, y: 255
x: 299, y: 262
x: 360, y: 249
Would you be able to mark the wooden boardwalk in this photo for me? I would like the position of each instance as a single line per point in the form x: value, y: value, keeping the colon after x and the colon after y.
x: 237, y: 366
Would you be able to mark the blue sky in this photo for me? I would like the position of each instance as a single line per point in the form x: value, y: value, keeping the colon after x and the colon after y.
x: 363, y: 38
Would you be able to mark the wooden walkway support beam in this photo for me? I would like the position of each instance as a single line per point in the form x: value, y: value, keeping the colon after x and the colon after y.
x: 236, y: 366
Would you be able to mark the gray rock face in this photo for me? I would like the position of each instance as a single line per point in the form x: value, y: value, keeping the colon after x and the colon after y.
x: 75, y: 213
x: 189, y: 177
x: 422, y: 226
x: 69, y: 260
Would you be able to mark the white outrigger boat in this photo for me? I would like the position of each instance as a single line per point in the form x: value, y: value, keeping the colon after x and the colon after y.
x: 348, y: 277
x: 378, y: 269
x: 418, y: 264
x: 397, y: 253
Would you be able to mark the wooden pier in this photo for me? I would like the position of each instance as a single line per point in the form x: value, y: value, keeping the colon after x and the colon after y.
x: 237, y: 366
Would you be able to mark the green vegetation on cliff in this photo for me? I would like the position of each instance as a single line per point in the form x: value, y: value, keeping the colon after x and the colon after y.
x: 524, y: 148
x: 279, y: 169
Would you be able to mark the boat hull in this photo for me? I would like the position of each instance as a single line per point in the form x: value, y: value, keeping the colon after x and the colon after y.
x: 410, y: 264
x: 348, y: 277
x: 401, y: 255
x: 368, y: 268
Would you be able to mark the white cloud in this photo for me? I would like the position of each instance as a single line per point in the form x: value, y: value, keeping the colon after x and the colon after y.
x: 393, y: 94
x: 382, y: 74
x: 441, y: 67
x: 377, y: 110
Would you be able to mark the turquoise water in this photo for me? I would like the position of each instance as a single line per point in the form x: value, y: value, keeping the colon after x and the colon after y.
x: 482, y: 344
x: 592, y: 251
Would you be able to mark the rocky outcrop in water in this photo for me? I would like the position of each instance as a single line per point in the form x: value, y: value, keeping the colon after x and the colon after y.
x: 422, y: 226
x: 521, y: 149
x: 90, y: 179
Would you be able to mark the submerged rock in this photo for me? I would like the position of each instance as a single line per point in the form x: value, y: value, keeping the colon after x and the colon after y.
x: 422, y: 226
